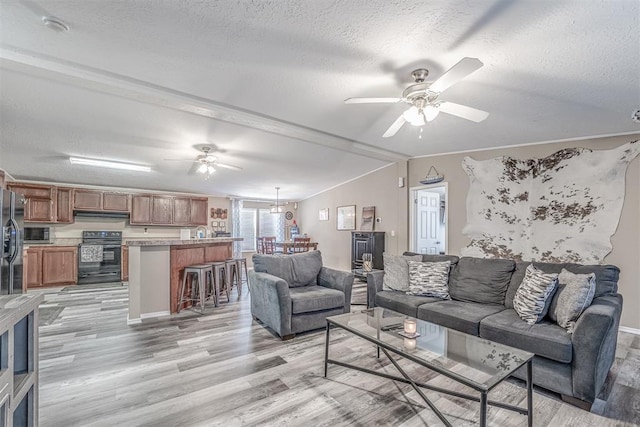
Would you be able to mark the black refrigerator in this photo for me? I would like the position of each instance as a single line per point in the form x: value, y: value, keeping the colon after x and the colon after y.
x: 11, y: 220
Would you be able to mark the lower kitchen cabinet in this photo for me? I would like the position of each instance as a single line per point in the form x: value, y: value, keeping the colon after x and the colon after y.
x: 50, y: 266
x: 124, y: 266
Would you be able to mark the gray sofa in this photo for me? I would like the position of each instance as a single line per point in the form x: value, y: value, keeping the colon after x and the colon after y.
x: 295, y: 293
x: 482, y: 291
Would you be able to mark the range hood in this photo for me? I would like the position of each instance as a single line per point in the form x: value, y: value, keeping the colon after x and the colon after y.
x: 101, y: 214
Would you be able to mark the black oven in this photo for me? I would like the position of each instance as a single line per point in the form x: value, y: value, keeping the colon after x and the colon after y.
x: 99, y: 257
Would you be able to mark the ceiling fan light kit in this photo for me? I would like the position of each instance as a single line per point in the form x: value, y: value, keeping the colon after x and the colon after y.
x: 423, y: 97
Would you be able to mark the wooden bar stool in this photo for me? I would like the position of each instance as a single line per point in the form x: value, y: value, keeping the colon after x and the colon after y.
x: 220, y: 279
x: 240, y: 263
x: 201, y: 273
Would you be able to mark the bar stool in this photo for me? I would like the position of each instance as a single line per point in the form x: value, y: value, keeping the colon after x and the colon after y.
x: 220, y: 278
x: 231, y: 275
x: 240, y: 263
x: 200, y: 273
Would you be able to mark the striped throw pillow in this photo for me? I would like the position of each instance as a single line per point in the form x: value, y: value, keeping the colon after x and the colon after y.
x: 429, y: 279
x: 534, y: 294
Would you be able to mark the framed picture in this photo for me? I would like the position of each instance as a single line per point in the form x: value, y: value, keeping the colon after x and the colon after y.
x: 218, y: 213
x: 323, y: 214
x: 346, y: 217
x: 368, y: 217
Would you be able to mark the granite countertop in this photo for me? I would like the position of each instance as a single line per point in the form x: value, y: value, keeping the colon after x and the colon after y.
x: 178, y: 242
x: 14, y: 307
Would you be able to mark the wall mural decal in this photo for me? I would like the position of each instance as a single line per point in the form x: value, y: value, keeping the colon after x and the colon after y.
x: 562, y: 208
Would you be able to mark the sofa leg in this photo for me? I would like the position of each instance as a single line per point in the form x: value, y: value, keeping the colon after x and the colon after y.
x: 287, y: 337
x: 582, y: 404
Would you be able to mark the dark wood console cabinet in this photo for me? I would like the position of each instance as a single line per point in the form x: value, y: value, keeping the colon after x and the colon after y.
x: 363, y: 242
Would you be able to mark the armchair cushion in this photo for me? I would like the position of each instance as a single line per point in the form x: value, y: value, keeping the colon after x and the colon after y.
x: 297, y: 270
x: 305, y: 299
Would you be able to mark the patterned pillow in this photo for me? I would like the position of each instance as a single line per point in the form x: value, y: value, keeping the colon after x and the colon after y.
x: 396, y: 271
x: 575, y: 293
x: 429, y: 279
x: 533, y: 297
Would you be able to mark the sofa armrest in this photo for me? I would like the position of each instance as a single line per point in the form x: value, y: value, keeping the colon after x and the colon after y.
x: 594, y: 345
x: 374, y: 285
x: 339, y: 280
x: 270, y: 301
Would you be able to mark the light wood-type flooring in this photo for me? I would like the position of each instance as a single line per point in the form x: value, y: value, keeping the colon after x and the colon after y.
x: 224, y: 369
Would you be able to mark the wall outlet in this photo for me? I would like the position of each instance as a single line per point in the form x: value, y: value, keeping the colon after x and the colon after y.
x: 401, y: 182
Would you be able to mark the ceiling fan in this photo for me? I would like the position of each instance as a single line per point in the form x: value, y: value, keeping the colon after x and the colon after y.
x: 207, y: 162
x: 423, y: 97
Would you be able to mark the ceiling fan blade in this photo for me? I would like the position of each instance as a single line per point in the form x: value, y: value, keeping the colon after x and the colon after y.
x: 181, y: 160
x: 456, y: 73
x: 395, y: 127
x: 463, y: 111
x: 225, y: 166
x: 371, y: 100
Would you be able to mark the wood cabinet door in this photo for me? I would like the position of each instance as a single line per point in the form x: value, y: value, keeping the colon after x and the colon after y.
x: 59, y: 265
x: 32, y: 268
x: 199, y: 209
x: 182, y: 211
x: 124, y: 266
x: 140, y: 209
x: 38, y: 210
x: 162, y: 210
x: 118, y: 202
x: 64, y: 209
x: 32, y: 190
x: 87, y: 200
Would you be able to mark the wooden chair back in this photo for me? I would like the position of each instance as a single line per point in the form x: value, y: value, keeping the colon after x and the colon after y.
x: 259, y: 245
x: 269, y: 245
x: 301, y: 244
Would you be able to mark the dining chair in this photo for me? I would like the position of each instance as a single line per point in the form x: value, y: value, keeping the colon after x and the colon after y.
x: 300, y: 244
x: 260, y: 245
x: 269, y: 245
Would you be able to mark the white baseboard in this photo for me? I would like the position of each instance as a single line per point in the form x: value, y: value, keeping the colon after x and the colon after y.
x: 133, y: 321
x: 155, y: 314
x: 629, y: 330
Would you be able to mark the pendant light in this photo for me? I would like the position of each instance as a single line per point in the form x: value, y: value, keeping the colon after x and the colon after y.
x: 277, y: 208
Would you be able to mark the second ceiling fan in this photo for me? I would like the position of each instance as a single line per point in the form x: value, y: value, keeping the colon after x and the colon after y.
x: 423, y: 97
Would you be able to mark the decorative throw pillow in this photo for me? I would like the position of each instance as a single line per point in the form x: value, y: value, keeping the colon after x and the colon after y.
x: 429, y: 279
x: 534, y: 294
x: 396, y: 271
x: 575, y: 293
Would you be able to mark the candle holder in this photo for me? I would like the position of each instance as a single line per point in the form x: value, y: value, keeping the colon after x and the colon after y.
x: 410, y: 329
x: 410, y: 344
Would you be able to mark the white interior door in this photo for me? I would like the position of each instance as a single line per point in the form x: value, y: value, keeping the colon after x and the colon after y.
x: 428, y: 224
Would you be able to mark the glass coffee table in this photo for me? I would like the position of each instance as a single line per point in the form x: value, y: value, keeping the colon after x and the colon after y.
x: 475, y: 362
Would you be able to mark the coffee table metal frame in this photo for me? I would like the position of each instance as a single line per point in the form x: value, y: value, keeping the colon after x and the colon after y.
x: 482, y: 388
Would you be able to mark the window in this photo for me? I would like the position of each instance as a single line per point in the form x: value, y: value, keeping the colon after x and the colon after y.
x: 256, y: 222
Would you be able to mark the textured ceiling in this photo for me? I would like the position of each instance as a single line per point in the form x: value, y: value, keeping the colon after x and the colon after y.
x: 265, y: 82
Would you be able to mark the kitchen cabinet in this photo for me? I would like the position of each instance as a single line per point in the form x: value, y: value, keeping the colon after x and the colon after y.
x: 32, y: 268
x: 190, y: 211
x: 53, y: 265
x: 115, y: 202
x: 98, y: 201
x: 124, y: 266
x: 162, y: 210
x: 64, y: 205
x: 39, y: 201
x: 59, y: 265
x: 87, y: 200
x: 140, y: 209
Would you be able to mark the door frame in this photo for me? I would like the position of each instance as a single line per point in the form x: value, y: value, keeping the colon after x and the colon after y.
x: 412, y: 213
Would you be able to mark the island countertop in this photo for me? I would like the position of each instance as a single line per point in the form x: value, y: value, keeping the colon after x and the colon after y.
x: 179, y: 242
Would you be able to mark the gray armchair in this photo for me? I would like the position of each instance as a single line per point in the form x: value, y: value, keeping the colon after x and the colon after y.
x: 295, y: 293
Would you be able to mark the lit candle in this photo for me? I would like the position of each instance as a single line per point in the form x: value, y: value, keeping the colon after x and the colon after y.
x: 410, y: 326
x: 410, y: 343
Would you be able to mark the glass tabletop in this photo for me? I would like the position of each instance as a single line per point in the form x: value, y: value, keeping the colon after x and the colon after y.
x: 473, y: 360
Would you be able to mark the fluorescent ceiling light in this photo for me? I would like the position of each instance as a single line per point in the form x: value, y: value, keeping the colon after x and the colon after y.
x: 108, y: 164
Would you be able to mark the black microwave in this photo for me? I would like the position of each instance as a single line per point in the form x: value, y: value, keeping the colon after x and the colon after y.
x: 37, y: 235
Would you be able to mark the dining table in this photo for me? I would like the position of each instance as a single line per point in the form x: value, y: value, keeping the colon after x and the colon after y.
x: 287, y: 245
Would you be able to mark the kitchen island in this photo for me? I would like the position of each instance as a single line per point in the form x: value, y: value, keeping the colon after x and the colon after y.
x: 155, y: 268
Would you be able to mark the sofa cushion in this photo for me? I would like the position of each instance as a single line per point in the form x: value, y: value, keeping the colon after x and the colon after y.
x: 544, y: 339
x: 459, y: 315
x: 297, y: 270
x: 396, y: 271
x: 533, y: 297
x: 481, y: 280
x: 305, y: 299
x: 435, y: 258
x: 574, y: 295
x: 401, y: 302
x: 429, y: 279
x: 606, y: 277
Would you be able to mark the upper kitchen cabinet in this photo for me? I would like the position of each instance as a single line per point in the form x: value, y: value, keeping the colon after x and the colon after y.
x: 64, y: 211
x: 182, y: 211
x: 141, y: 209
x: 92, y: 200
x: 147, y: 209
x: 199, y: 209
x: 162, y: 210
x: 39, y: 201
